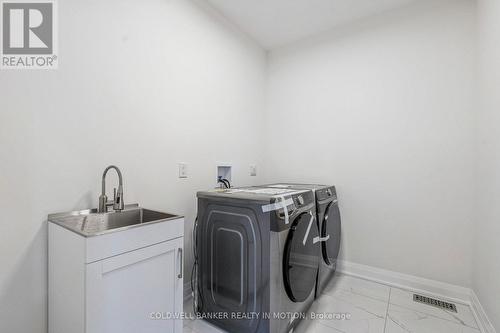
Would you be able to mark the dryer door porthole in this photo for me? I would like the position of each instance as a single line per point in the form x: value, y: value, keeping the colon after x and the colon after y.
x: 301, y: 258
x: 331, y: 227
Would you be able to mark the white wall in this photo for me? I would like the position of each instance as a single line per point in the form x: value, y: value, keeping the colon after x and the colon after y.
x: 141, y: 84
x: 383, y: 108
x: 486, y: 259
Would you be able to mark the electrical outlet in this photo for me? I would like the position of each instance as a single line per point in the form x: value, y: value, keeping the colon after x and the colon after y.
x: 183, y: 170
x: 253, y: 170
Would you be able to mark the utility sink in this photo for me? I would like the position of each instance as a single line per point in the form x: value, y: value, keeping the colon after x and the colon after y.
x: 90, y: 223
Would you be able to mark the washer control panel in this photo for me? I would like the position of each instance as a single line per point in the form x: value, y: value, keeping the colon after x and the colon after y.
x: 299, y: 200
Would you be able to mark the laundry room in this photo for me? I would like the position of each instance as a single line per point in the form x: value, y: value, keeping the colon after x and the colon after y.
x: 192, y: 166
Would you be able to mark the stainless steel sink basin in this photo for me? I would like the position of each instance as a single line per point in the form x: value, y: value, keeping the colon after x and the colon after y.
x: 91, y: 223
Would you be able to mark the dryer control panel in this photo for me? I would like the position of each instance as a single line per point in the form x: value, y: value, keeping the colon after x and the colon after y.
x: 328, y: 193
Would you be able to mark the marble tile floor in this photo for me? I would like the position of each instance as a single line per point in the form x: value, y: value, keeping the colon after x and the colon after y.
x: 372, y: 308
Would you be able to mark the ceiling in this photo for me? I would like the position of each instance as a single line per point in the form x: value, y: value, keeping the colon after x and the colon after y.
x: 274, y: 23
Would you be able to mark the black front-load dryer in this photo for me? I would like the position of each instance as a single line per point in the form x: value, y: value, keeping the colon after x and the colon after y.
x: 329, y: 225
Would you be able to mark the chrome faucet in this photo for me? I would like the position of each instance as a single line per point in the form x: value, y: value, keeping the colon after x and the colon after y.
x: 117, y: 202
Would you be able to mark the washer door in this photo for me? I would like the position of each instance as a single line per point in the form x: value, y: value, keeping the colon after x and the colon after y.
x: 301, y: 258
x: 331, y: 228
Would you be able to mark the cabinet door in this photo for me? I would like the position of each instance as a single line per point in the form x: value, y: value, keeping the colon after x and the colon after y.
x: 137, y: 291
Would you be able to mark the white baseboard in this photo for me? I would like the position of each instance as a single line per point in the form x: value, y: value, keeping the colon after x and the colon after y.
x: 481, y: 316
x: 405, y: 281
x: 450, y: 292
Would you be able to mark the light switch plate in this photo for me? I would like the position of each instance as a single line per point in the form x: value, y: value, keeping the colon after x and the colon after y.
x: 253, y: 170
x: 183, y: 170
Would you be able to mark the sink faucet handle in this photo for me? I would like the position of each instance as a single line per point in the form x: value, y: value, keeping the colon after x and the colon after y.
x: 103, y: 203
